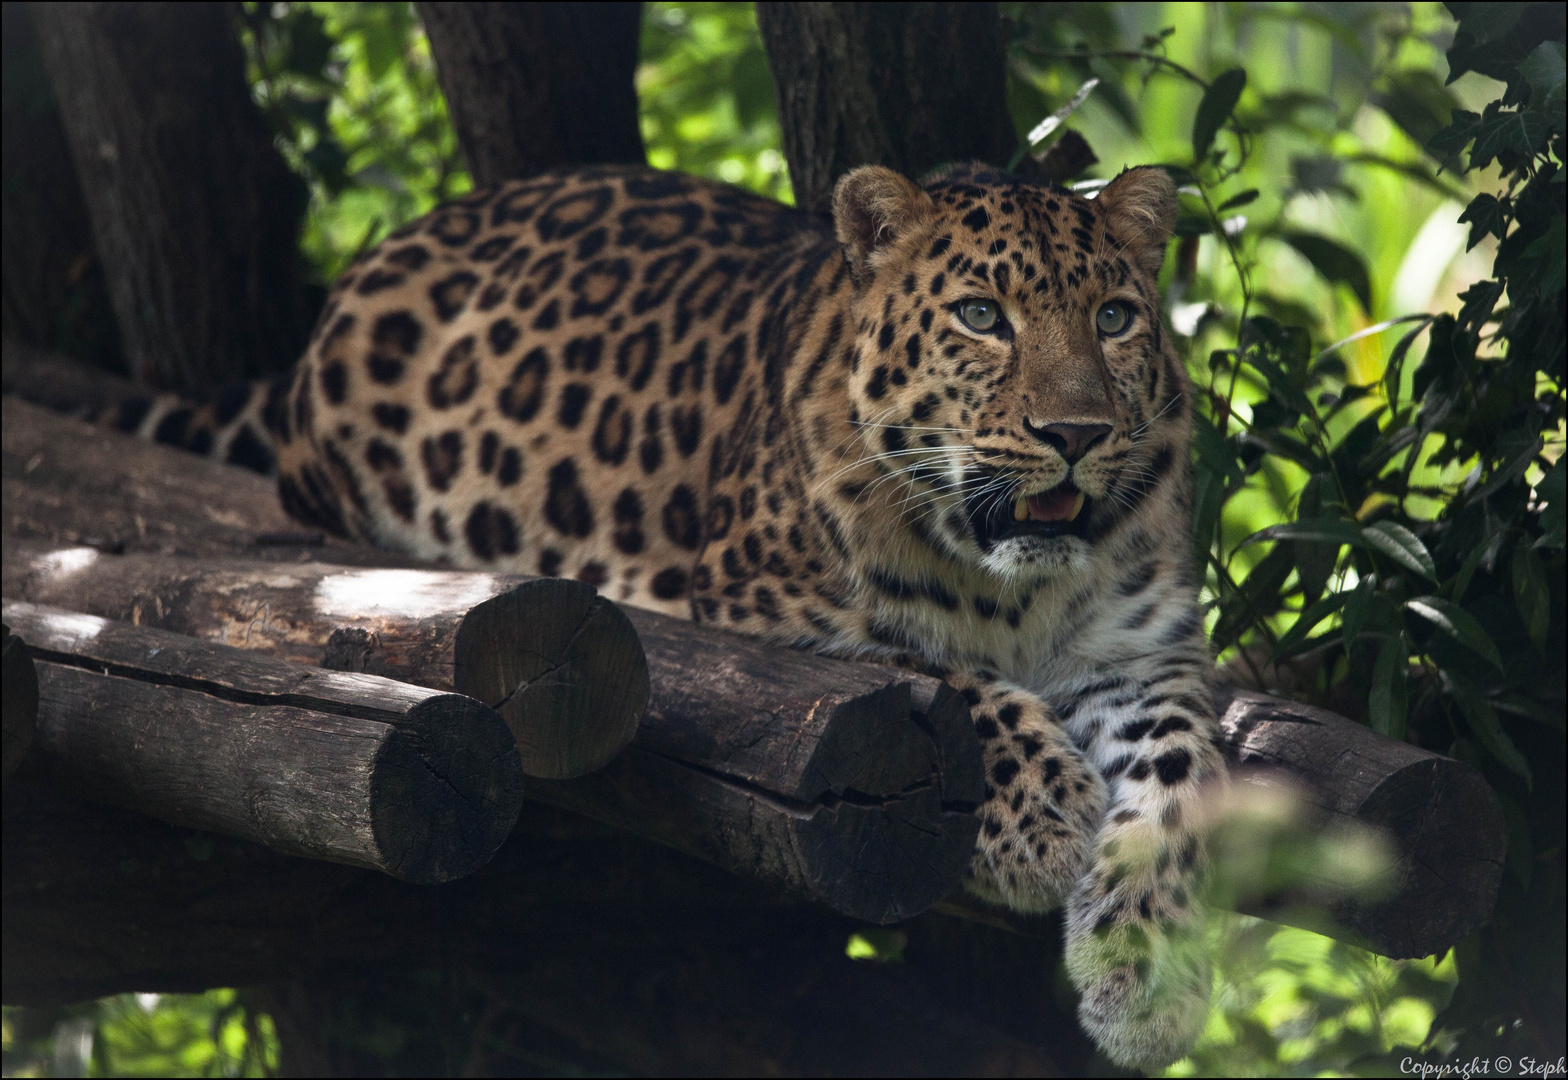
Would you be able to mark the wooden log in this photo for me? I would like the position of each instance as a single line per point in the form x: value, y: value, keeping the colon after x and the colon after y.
x: 660, y: 963
x: 420, y: 785
x: 1441, y: 818
x: 18, y: 702
x: 398, y: 623
x: 850, y: 783
x: 1444, y: 821
x: 65, y: 482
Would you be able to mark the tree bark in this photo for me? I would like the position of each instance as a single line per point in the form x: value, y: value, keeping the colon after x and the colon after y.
x: 415, y: 783
x: 1444, y: 820
x: 195, y: 214
x: 53, y: 285
x: 531, y: 86
x: 517, y: 638
x: 18, y: 703
x: 906, y: 85
x: 66, y: 483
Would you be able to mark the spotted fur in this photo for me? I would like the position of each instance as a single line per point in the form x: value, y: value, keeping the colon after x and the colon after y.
x: 705, y: 403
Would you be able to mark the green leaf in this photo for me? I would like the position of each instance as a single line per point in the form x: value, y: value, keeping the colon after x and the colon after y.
x: 1219, y: 101
x: 1553, y: 488
x: 1532, y: 593
x: 1418, y: 102
x: 1544, y: 262
x: 1389, y: 701
x: 1502, y: 132
x: 1307, y: 620
x: 1394, y: 369
x: 1320, y: 529
x: 1447, y: 144
x: 1467, y: 570
x: 1539, y: 711
x: 1487, y: 728
x: 1403, y: 546
x: 1356, y: 605
x: 1458, y: 624
x: 1236, y: 201
x: 1487, y: 217
x: 1544, y: 70
x: 1514, y: 469
x: 1256, y: 597
x: 1335, y: 262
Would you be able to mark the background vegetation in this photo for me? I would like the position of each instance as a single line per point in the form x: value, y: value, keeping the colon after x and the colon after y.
x: 1368, y: 281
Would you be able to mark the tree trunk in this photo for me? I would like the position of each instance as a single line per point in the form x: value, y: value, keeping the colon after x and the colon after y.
x: 906, y: 85
x: 195, y: 213
x: 532, y: 86
x: 54, y: 292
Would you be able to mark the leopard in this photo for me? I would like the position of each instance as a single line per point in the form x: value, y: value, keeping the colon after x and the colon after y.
x: 942, y: 426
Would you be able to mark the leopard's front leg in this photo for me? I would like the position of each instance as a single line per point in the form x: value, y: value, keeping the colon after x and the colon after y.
x: 1043, y: 802
x: 1134, y: 922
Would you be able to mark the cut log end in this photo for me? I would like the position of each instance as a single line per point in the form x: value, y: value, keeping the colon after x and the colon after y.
x: 445, y: 790
x: 1452, y: 840
x: 563, y: 666
x: 1444, y: 822
x: 893, y: 826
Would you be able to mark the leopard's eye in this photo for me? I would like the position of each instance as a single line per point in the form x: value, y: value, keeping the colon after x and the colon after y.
x: 980, y: 316
x: 1113, y: 318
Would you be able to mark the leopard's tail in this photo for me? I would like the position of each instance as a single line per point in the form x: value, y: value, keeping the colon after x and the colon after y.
x: 238, y: 423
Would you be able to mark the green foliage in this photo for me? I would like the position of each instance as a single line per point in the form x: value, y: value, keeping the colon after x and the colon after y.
x: 211, y: 1034
x: 350, y: 89
x: 706, y: 96
x: 1290, y: 1002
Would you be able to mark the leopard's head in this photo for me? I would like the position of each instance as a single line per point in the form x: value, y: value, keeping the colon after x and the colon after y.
x: 1013, y: 375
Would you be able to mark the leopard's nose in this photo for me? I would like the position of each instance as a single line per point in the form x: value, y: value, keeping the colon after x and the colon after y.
x: 1072, y: 441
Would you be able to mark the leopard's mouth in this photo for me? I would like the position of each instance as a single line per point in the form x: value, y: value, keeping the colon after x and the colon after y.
x: 1059, y: 511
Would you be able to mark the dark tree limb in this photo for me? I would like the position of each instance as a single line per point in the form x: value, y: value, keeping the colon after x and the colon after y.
x: 420, y: 785
x: 54, y: 295
x: 195, y: 214
x: 906, y: 85
x: 531, y: 86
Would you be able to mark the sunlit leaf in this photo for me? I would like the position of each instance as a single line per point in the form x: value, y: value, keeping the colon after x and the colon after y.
x: 1403, y: 546
x: 1322, y: 529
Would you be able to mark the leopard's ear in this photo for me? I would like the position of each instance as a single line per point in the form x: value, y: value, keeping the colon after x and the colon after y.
x: 1140, y: 211
x: 873, y: 207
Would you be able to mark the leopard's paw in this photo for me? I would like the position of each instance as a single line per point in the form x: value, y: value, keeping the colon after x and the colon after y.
x: 1039, y: 823
x: 1145, y: 989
